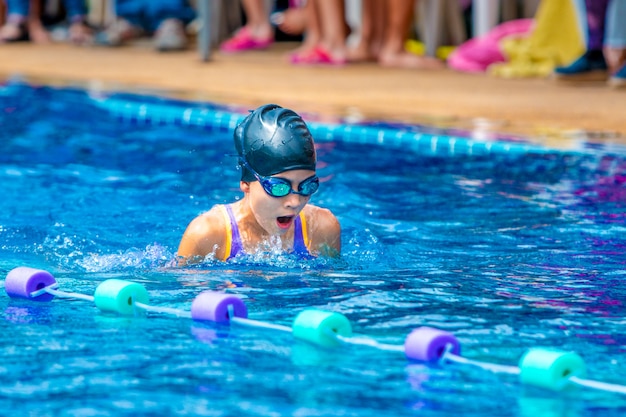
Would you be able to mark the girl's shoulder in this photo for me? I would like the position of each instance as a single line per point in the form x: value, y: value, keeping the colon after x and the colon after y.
x: 204, y: 235
x: 322, y: 222
x: 211, y: 222
x: 313, y: 212
x: 324, y: 230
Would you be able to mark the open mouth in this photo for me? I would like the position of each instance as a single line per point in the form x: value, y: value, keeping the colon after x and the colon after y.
x: 284, y: 221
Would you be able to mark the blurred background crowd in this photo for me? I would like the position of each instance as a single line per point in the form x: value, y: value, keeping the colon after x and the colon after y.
x: 572, y: 40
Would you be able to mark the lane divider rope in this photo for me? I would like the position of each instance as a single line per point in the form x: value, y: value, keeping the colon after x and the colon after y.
x: 547, y: 368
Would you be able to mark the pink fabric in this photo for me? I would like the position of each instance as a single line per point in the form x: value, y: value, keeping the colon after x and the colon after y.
x: 317, y: 56
x: 243, y: 41
x: 477, y: 54
x: 296, y: 3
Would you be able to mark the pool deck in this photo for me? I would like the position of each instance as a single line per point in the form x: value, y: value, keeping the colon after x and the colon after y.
x: 538, y: 107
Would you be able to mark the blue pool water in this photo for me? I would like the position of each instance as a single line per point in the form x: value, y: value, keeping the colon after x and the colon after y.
x: 506, y: 244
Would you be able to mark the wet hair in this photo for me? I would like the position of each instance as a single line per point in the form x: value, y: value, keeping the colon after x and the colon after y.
x: 271, y: 140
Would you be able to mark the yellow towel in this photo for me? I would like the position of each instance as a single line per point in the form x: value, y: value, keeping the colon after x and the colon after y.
x: 556, y: 40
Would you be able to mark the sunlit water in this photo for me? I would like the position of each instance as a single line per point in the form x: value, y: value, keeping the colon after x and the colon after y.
x: 508, y: 252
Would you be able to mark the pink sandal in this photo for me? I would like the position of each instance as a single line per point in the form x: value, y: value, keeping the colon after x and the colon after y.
x: 243, y: 41
x: 317, y: 56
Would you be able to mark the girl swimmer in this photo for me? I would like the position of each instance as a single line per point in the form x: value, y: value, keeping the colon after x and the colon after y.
x: 277, y: 160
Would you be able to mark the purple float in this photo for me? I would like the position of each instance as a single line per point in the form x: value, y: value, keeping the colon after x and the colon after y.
x: 214, y: 306
x: 429, y: 344
x: 22, y: 281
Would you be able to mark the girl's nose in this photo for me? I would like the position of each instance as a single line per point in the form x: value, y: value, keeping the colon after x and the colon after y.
x: 294, y: 200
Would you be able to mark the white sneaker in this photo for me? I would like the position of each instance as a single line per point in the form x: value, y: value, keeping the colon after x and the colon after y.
x: 170, y: 36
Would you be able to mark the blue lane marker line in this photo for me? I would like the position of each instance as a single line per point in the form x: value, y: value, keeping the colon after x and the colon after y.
x: 221, y: 120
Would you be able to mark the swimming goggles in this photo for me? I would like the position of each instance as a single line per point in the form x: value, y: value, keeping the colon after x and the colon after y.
x: 281, y: 187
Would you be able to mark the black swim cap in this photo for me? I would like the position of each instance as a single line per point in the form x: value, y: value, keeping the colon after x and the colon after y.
x: 271, y: 140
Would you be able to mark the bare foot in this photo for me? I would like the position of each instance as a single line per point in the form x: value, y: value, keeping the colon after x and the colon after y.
x: 409, y: 60
x: 38, y: 33
x: 118, y: 33
x: 80, y: 34
x: 301, y: 53
x: 363, y: 52
x: 259, y: 32
x: 320, y: 56
x: 291, y: 21
x: 309, y: 43
x: 312, y: 50
x: 13, y: 32
x: 615, y: 58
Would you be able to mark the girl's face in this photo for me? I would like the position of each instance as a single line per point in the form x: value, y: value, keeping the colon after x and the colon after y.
x: 276, y: 214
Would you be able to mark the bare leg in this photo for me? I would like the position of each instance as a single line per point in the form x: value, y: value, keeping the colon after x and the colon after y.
x: 36, y: 31
x: 393, y: 54
x: 3, y: 12
x: 80, y: 33
x: 10, y: 33
x: 292, y: 21
x: 258, y: 33
x: 313, y: 31
x: 372, y: 31
x: 333, y: 24
x: 615, y: 58
x: 257, y: 19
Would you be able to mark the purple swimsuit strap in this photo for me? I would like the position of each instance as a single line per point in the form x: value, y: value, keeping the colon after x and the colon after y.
x: 299, y: 245
x: 236, y: 246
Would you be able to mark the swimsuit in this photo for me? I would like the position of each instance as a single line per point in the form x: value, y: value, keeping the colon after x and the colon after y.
x: 234, y: 246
